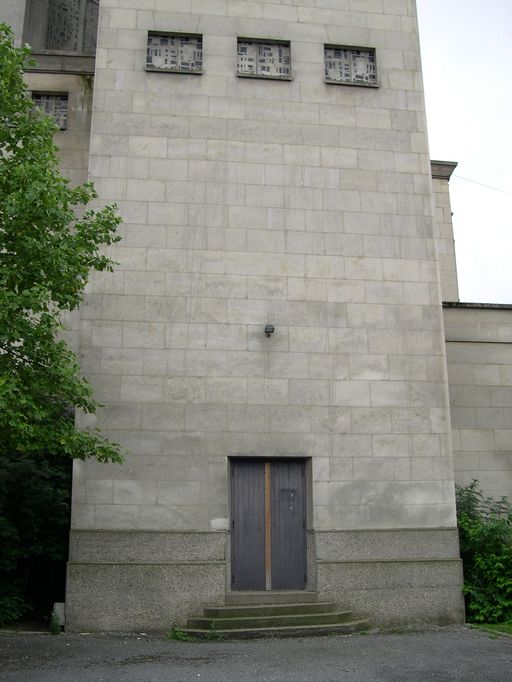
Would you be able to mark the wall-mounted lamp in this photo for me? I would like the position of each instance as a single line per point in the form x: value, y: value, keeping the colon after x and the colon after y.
x: 269, y: 329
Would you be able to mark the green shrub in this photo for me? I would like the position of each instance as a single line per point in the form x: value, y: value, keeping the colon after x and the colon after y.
x: 55, y: 627
x: 178, y: 635
x: 485, y: 534
x: 12, y: 605
x: 34, y: 528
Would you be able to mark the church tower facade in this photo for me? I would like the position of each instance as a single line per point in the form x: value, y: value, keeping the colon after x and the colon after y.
x: 270, y: 348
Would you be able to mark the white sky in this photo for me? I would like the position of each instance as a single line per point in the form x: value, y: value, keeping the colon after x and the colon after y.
x: 467, y: 66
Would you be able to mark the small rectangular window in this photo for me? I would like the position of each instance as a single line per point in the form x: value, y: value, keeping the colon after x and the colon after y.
x: 55, y: 105
x: 264, y: 59
x: 175, y: 53
x: 350, y: 65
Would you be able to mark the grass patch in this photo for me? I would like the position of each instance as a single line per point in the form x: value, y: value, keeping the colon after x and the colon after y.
x: 498, y: 628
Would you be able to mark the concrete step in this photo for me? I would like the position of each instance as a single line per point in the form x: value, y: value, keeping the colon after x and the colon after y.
x: 272, y: 614
x: 271, y: 597
x: 270, y: 621
x: 268, y: 609
x: 281, y: 631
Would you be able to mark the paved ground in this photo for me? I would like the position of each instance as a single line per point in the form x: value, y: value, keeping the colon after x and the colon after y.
x: 441, y: 655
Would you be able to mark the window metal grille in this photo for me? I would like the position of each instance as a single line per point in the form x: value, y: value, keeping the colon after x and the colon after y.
x: 175, y: 53
x: 350, y: 65
x: 264, y: 59
x: 54, y: 105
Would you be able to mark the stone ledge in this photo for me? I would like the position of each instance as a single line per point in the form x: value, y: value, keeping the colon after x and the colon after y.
x: 387, y: 561
x: 61, y: 62
x: 212, y: 562
x: 390, y: 544
x: 153, y: 547
x: 388, y: 575
x: 442, y: 170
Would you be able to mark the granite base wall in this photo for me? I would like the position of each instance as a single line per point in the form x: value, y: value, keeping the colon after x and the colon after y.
x: 139, y: 580
x: 393, y: 577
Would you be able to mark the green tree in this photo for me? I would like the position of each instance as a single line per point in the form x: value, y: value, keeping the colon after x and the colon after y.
x: 46, y: 254
x: 49, y: 243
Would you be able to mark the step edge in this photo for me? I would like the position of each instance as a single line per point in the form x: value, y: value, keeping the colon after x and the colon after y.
x: 284, y: 615
x: 303, y: 628
x: 310, y: 607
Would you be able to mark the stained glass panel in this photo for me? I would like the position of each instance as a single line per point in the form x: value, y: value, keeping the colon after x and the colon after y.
x: 266, y: 60
x: 350, y: 65
x: 55, y: 106
x: 181, y: 53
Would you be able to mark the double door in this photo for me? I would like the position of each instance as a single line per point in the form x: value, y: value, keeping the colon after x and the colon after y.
x: 268, y: 524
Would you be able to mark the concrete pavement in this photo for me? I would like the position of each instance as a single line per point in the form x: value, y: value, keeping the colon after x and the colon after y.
x: 441, y: 655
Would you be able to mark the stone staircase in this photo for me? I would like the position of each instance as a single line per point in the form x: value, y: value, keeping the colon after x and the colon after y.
x: 272, y: 614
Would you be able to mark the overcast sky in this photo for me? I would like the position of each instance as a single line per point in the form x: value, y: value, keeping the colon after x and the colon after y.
x: 467, y: 65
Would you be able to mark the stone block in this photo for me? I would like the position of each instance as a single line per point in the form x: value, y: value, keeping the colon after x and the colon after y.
x: 206, y: 418
x: 226, y: 336
x: 178, y: 493
x: 253, y: 418
x: 352, y: 393
x: 391, y: 445
x: 98, y: 491
x: 389, y: 393
x: 134, y: 492
x: 291, y: 419
x: 143, y: 335
x: 118, y: 516
x: 162, y: 417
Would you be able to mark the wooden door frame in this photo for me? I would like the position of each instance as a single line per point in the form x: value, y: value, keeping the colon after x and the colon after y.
x: 310, y: 583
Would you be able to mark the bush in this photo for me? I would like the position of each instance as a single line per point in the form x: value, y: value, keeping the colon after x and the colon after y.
x: 485, y: 534
x: 35, y: 496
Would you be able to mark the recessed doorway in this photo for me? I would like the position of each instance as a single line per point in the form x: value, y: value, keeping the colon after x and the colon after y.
x: 268, y: 524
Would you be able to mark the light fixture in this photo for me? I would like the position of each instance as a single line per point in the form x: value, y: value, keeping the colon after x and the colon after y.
x: 269, y: 329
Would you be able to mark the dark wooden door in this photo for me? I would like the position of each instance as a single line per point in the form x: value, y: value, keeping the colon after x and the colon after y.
x: 288, y: 515
x: 248, y: 525
x: 268, y: 524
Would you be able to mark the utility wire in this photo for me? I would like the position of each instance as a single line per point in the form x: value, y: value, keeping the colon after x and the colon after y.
x: 460, y: 177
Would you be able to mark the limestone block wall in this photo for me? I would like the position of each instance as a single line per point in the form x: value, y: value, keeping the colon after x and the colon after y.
x: 479, y: 351
x: 246, y: 202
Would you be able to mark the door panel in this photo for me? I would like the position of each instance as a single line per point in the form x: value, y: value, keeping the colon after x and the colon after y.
x: 248, y: 525
x: 288, y: 526
x: 268, y: 521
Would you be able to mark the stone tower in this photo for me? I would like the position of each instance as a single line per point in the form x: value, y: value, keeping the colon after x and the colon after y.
x: 270, y: 161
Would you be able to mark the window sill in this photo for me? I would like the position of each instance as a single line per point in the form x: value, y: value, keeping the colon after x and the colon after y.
x: 354, y: 85
x: 183, y: 72
x: 62, y: 62
x: 263, y: 77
